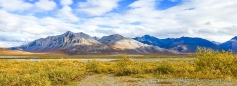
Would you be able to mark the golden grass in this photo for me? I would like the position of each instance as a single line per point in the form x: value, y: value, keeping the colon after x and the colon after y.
x: 209, y: 65
x: 45, y: 73
x: 6, y: 52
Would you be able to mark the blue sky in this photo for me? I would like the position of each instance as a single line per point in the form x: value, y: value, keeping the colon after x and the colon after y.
x: 22, y: 21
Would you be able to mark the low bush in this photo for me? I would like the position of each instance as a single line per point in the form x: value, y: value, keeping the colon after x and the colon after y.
x: 215, y: 62
x: 98, y: 67
x: 209, y: 64
x: 45, y: 73
x: 165, y: 68
x: 126, y: 66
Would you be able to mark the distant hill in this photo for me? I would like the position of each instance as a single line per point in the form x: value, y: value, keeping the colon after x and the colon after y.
x: 150, y: 40
x: 183, y: 44
x: 6, y: 52
x: 69, y: 42
x: 189, y: 45
x: 81, y: 43
x: 119, y: 42
x: 230, y: 45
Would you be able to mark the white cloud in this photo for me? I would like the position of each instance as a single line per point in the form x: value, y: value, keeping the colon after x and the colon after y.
x: 66, y: 2
x: 15, y: 5
x: 15, y: 25
x: 214, y: 20
x: 174, y: 0
x: 98, y: 7
x: 45, y: 5
x: 66, y: 14
x: 20, y: 29
x: 10, y: 44
x: 57, y: 25
x: 143, y: 4
x: 178, y: 21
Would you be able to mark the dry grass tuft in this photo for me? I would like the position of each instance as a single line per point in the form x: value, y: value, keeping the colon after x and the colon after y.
x: 209, y: 65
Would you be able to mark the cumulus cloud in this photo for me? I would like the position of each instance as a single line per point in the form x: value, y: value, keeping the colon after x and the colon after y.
x: 191, y: 18
x: 214, y: 20
x: 45, y: 5
x: 174, y: 0
x: 17, y: 23
x: 10, y: 43
x: 66, y: 14
x: 97, y: 7
x: 143, y: 3
x: 21, y: 29
x: 15, y: 5
x: 66, y: 2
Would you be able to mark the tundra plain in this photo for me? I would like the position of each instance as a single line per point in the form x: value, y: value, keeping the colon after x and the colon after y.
x: 206, y: 67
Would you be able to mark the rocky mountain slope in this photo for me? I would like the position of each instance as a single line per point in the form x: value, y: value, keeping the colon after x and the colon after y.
x: 81, y: 43
x: 230, y: 45
x: 183, y: 44
x: 150, y: 40
x: 119, y: 42
x: 189, y: 45
x: 68, y: 42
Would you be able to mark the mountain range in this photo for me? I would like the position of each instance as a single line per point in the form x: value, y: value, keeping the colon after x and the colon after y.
x: 230, y: 45
x: 81, y: 43
x: 182, y: 44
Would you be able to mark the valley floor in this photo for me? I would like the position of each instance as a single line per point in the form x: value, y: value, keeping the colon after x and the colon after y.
x: 209, y: 68
x: 111, y: 80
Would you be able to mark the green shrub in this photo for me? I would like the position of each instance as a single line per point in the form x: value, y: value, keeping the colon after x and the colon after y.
x: 165, y: 68
x: 219, y: 63
x: 96, y: 67
x: 45, y: 73
x: 209, y: 64
x: 65, y: 76
x: 126, y: 66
